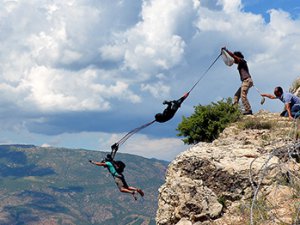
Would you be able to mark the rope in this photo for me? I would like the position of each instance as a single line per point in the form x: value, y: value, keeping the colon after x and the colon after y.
x: 291, y: 147
x: 205, y: 73
x: 115, y: 146
x: 132, y: 132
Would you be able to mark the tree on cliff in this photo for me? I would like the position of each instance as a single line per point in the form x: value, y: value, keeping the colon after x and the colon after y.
x: 208, y: 121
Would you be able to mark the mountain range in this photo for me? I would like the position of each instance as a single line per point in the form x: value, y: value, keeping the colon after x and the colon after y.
x: 59, y: 186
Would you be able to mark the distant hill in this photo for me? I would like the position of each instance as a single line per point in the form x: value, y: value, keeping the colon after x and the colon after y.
x: 59, y: 186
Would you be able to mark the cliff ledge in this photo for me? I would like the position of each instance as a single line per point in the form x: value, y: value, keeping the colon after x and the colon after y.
x: 249, y: 175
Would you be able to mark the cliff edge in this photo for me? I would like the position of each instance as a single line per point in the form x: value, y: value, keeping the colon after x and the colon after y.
x: 249, y: 175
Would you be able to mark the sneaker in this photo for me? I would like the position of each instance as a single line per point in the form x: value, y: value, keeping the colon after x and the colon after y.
x: 248, y: 112
x: 140, y: 192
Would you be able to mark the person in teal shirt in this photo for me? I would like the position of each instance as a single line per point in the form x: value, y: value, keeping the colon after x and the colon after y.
x: 119, y: 179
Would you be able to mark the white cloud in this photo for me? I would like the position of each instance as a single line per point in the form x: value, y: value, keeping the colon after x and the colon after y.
x: 51, y: 90
x: 158, y: 89
x: 57, y: 36
x: 65, y: 56
x: 41, y: 53
x: 230, y: 6
x: 164, y: 148
x: 111, y: 52
x: 154, y: 43
x: 9, y: 6
x: 160, y: 148
x: 268, y: 47
x: 45, y: 145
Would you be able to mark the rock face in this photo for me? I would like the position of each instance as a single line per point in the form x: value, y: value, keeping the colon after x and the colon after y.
x: 211, y: 182
x: 295, y: 88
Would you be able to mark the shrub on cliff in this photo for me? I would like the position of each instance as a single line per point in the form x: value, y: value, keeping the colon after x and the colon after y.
x: 208, y: 121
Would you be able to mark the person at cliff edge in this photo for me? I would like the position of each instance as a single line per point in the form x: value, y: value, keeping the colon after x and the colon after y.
x: 290, y: 101
x: 246, y: 79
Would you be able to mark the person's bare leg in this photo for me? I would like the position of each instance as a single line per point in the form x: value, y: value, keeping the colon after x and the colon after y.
x: 129, y: 191
x: 137, y: 190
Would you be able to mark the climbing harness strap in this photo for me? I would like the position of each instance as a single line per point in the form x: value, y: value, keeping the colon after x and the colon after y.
x: 132, y: 132
x: 115, y: 146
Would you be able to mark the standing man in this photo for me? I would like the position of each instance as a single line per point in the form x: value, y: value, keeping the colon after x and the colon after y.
x: 246, y: 79
x: 290, y: 101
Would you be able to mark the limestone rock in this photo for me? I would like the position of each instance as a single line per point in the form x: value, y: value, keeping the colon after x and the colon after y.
x: 295, y: 88
x: 184, y: 221
x: 209, y: 180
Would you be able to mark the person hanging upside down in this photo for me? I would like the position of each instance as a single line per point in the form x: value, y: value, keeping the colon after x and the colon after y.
x: 171, y: 109
x: 119, y: 178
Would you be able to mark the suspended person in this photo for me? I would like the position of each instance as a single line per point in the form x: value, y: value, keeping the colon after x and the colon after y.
x: 291, y: 102
x: 246, y: 79
x: 171, y: 109
x: 118, y: 176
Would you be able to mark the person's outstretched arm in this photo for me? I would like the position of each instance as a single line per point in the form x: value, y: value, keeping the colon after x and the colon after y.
x: 269, y: 96
x: 97, y: 163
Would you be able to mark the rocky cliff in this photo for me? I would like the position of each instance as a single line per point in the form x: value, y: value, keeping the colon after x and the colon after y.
x: 249, y: 175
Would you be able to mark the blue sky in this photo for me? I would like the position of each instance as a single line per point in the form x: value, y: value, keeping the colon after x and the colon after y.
x: 263, y: 6
x: 82, y: 73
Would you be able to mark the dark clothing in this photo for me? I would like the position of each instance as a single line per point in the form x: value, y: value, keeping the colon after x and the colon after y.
x: 243, y: 70
x: 293, y: 101
x: 289, y: 98
x: 295, y: 111
x: 118, y: 177
x: 171, y: 109
x: 120, y: 181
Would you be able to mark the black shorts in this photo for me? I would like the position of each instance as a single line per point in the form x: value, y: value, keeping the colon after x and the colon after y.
x: 120, y: 181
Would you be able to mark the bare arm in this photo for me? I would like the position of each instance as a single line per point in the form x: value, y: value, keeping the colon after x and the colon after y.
x: 98, y: 163
x: 269, y: 96
x: 288, y: 109
x: 236, y: 59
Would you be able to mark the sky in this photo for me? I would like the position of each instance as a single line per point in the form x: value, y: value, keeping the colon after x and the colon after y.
x: 82, y: 73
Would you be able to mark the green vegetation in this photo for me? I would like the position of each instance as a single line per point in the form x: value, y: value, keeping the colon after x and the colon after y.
x: 208, y: 122
x: 265, y: 213
x: 256, y: 123
x: 260, y: 211
x: 222, y: 201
